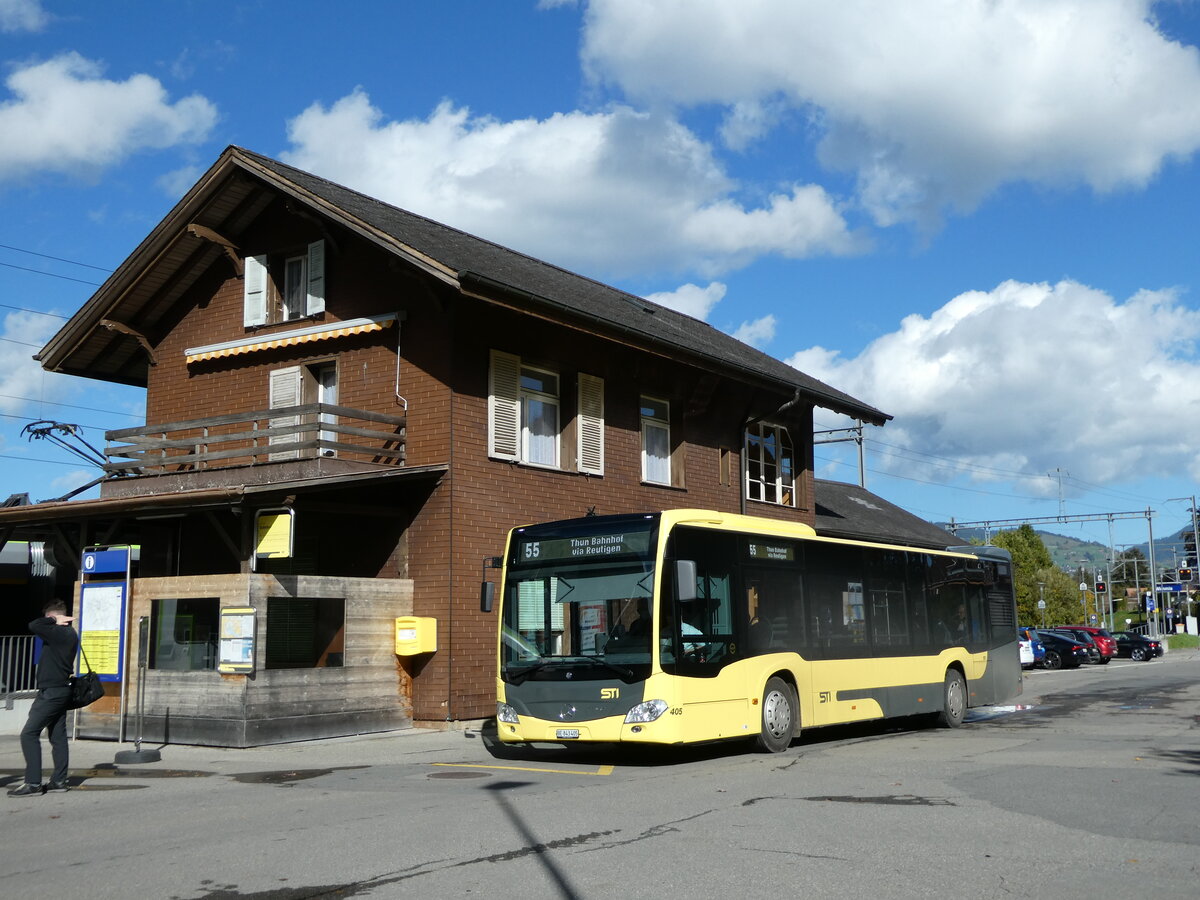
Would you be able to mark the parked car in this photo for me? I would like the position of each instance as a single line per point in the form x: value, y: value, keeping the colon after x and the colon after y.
x: 1025, y: 647
x: 1039, y: 649
x: 1137, y: 646
x: 1104, y: 640
x: 1098, y: 652
x: 1062, y: 651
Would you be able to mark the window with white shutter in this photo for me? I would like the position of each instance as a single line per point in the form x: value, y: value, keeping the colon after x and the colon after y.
x: 316, y: 278
x: 504, y: 406
x: 285, y: 390
x: 284, y: 288
x: 254, y: 300
x: 591, y: 424
x: 523, y: 413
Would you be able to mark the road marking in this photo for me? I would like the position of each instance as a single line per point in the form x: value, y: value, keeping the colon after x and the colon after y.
x: 602, y: 770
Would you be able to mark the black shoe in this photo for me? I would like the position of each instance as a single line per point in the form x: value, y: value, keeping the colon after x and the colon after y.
x: 57, y: 787
x: 27, y: 790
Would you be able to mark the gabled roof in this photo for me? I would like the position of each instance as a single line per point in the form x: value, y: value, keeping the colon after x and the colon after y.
x: 105, y: 338
x: 852, y: 512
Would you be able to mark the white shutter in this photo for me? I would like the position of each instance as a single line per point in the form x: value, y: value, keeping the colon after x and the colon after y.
x: 504, y: 406
x: 591, y: 424
x: 316, y: 277
x: 285, y: 386
x: 254, y: 291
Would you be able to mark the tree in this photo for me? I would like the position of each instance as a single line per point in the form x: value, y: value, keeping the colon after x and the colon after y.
x: 1035, y: 577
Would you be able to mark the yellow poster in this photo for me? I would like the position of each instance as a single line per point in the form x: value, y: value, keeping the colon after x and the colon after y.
x: 274, y: 539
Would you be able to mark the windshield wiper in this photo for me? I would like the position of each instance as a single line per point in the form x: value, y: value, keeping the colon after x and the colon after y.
x: 521, y: 676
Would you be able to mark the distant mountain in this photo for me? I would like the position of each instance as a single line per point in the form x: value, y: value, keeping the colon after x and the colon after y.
x: 1070, y: 553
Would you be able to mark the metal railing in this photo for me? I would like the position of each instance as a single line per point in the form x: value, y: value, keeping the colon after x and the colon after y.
x: 18, y: 671
x: 261, y: 436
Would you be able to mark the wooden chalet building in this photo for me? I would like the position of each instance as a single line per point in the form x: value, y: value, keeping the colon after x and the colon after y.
x: 409, y: 392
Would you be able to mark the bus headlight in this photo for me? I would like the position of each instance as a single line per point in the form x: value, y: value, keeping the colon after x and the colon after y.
x: 646, y: 712
x: 505, y: 713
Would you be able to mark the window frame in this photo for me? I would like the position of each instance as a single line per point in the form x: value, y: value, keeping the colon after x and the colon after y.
x: 508, y: 419
x: 777, y: 491
x: 197, y: 650
x: 270, y: 288
x: 649, y: 424
x: 528, y: 395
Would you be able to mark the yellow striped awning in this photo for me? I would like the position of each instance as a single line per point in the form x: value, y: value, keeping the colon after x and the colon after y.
x: 291, y: 338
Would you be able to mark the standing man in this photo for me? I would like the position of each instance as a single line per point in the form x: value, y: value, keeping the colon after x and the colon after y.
x: 48, y: 713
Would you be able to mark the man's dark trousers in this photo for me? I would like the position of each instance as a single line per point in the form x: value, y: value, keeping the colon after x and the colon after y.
x: 49, y: 711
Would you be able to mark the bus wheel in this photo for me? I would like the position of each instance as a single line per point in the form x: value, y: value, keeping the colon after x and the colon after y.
x: 954, y: 700
x: 779, y: 716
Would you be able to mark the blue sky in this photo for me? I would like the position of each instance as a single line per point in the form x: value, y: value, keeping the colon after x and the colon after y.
x: 976, y: 215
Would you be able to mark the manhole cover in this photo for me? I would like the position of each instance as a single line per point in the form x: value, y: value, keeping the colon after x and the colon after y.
x: 458, y: 775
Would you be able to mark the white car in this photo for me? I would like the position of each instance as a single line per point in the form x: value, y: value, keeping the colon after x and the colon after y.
x: 1026, y: 653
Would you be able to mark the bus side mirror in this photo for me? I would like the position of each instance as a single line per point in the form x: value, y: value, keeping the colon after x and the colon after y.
x: 487, y: 589
x: 685, y: 580
x: 487, y: 596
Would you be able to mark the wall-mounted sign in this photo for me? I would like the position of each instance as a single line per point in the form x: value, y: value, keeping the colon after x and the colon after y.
x: 236, y: 651
x: 274, y: 530
x: 97, y: 562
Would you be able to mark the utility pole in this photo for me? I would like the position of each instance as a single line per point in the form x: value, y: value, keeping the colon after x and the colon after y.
x: 1192, y: 563
x: 1062, y: 504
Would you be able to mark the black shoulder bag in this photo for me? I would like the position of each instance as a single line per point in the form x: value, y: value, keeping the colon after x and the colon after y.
x: 85, y: 689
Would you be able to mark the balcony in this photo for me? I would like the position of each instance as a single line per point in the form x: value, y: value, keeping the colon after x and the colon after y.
x: 252, y: 447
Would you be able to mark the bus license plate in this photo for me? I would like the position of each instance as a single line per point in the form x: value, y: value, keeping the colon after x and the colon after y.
x: 565, y: 734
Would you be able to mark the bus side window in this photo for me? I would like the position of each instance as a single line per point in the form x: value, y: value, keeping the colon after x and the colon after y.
x: 701, y: 630
x: 833, y: 588
x: 774, y: 609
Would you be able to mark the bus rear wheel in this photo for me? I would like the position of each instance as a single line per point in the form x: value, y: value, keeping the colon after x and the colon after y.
x: 954, y: 700
x: 779, y: 716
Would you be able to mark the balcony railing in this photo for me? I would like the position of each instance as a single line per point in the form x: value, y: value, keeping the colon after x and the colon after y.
x: 311, y: 431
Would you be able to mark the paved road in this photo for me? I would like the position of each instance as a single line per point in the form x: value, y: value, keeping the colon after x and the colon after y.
x: 1087, y: 788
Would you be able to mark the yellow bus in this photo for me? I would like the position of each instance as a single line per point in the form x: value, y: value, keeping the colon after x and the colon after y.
x: 690, y: 625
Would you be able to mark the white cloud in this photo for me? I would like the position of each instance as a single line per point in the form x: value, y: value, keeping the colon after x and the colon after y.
x: 1028, y: 377
x: 20, y: 377
x: 758, y: 332
x: 618, y: 191
x: 180, y: 181
x: 691, y: 299
x: 933, y: 104
x: 64, y: 116
x: 22, y: 15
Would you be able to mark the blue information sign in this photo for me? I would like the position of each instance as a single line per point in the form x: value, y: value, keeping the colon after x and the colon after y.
x: 98, y: 562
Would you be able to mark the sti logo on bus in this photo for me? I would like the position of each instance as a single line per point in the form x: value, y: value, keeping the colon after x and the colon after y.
x: 610, y: 693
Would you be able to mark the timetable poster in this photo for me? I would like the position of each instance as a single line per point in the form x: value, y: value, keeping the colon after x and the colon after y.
x: 237, y: 641
x: 101, y: 616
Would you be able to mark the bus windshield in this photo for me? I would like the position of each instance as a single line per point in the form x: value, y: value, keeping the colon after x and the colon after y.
x: 579, y: 596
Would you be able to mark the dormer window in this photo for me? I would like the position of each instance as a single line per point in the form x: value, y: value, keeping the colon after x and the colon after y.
x: 284, y: 288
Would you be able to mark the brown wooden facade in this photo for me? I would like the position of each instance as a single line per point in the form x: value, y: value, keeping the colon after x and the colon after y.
x: 398, y: 491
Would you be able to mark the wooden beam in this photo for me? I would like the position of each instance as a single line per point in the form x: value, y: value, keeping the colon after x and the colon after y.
x: 231, y: 249
x: 112, y: 325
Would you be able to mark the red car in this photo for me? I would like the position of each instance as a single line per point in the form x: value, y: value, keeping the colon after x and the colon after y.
x: 1105, y: 643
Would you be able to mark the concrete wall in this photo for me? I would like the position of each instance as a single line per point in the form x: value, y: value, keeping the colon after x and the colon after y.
x: 370, y: 692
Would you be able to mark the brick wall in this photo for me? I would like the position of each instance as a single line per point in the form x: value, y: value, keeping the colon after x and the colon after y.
x: 444, y: 344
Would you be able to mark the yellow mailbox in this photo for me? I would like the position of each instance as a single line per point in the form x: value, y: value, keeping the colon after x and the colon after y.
x: 416, y: 634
